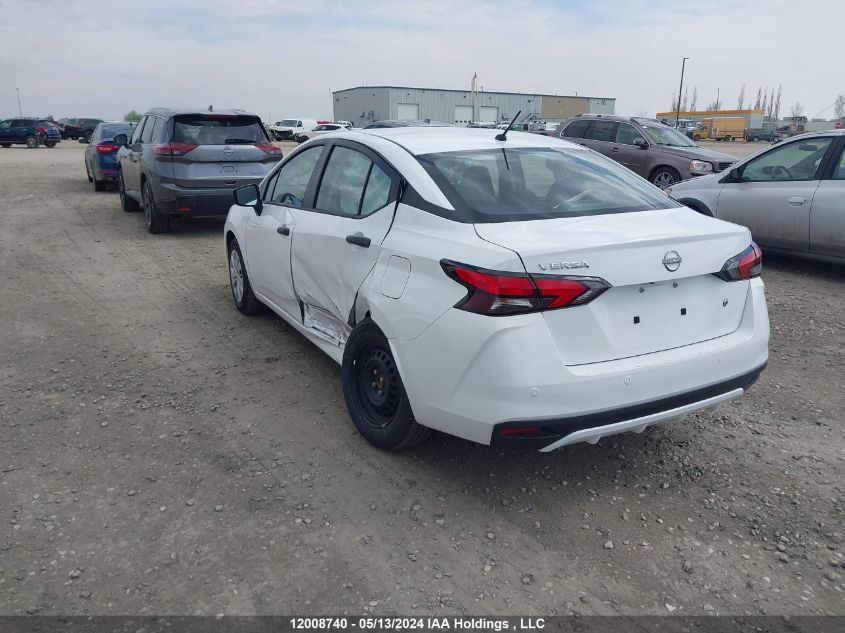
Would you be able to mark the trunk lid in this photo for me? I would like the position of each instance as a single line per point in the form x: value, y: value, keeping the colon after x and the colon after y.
x: 649, y: 308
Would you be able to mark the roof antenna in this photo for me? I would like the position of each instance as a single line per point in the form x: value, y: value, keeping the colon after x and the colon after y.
x: 504, y: 135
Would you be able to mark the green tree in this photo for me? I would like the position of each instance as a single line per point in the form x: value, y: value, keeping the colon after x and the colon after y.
x: 132, y: 116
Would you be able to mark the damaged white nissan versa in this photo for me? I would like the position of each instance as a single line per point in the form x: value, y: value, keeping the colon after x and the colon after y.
x: 519, y: 291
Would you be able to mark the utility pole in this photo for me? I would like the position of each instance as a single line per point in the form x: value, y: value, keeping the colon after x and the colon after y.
x: 18, y: 91
x: 680, y: 91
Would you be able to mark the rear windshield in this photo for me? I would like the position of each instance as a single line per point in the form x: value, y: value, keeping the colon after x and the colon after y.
x: 109, y: 131
x: 218, y: 129
x: 513, y: 184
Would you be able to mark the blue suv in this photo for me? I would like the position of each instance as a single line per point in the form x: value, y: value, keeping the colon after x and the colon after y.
x: 29, y: 132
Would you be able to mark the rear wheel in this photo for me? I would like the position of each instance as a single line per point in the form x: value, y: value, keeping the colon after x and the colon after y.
x: 728, y: 139
x: 31, y: 141
x: 130, y: 205
x: 696, y: 137
x: 755, y: 139
x: 665, y: 177
x: 49, y: 143
x: 245, y: 300
x: 152, y: 219
x: 374, y: 393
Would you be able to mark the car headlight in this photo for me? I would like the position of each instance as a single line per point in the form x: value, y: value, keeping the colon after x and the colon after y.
x: 700, y: 165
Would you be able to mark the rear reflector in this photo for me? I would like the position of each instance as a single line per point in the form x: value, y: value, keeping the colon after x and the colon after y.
x: 510, y: 431
x: 269, y: 148
x: 106, y: 148
x: 496, y: 293
x: 173, y: 149
x: 747, y: 265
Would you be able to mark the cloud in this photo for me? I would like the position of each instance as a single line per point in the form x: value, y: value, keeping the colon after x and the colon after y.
x: 279, y: 58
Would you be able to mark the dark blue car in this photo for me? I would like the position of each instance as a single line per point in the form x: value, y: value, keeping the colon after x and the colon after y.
x: 101, y: 153
x: 29, y: 131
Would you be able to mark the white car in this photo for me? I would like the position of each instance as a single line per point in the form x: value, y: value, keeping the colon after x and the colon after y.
x: 287, y: 129
x: 319, y: 130
x: 526, y: 292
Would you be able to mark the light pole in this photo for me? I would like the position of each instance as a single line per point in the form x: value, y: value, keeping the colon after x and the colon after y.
x: 18, y: 91
x: 680, y: 90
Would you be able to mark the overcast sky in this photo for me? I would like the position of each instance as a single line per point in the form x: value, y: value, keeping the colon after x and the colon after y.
x: 281, y: 58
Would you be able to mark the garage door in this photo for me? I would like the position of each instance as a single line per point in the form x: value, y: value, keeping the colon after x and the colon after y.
x: 463, y: 114
x: 489, y: 113
x: 408, y: 111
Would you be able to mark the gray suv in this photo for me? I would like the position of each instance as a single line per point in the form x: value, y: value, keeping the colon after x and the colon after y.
x: 645, y: 146
x: 186, y: 163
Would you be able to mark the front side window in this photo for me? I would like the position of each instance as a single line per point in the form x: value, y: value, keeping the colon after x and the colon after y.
x: 839, y: 171
x: 798, y: 160
x: 291, y: 181
x: 514, y: 184
x: 136, y: 136
x: 602, y: 131
x: 627, y: 134
x: 5, y: 125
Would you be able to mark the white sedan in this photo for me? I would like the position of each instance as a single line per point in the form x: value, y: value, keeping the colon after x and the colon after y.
x: 524, y: 292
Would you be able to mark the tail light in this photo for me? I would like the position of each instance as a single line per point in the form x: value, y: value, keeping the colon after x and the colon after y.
x: 747, y: 265
x: 500, y: 293
x: 41, y: 130
x: 268, y: 148
x: 173, y: 149
x: 106, y: 148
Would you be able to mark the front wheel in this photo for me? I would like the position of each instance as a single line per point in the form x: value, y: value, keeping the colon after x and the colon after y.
x: 374, y: 393
x: 130, y: 205
x: 6, y: 145
x: 755, y: 139
x: 245, y: 300
x: 665, y: 177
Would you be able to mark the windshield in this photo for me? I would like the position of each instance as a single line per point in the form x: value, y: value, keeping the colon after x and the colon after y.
x: 218, y: 129
x: 504, y: 185
x: 289, y: 123
x: 665, y: 135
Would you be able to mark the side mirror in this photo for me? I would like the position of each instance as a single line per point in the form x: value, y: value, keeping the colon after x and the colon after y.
x: 121, y: 140
x: 248, y: 196
x: 640, y: 142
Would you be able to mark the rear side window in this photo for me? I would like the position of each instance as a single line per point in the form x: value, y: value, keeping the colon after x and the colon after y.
x: 513, y: 184
x: 342, y: 186
x: 218, y: 129
x: 603, y: 131
x: 148, y: 135
x: 576, y: 129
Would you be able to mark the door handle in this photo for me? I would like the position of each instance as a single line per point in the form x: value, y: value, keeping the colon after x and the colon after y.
x: 283, y: 230
x: 614, y: 149
x: 359, y: 240
x: 797, y: 201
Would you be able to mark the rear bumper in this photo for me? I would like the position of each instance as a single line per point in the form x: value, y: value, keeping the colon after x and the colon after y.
x: 198, y: 203
x: 470, y: 376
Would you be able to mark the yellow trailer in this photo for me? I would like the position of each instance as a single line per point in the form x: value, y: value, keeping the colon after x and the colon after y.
x: 720, y: 128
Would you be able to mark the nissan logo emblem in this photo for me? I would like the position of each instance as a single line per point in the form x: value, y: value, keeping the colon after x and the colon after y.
x: 672, y: 261
x: 228, y: 151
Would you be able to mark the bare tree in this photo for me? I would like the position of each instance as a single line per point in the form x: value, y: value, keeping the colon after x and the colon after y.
x: 686, y: 100
x: 839, y: 106
x: 776, y: 109
x: 797, y: 109
x: 674, y: 104
x: 765, y: 105
x: 759, y: 97
x: 643, y: 113
x: 694, y: 101
x: 740, y: 102
x: 714, y: 105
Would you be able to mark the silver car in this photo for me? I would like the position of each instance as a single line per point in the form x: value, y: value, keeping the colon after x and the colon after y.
x: 187, y: 163
x: 791, y: 196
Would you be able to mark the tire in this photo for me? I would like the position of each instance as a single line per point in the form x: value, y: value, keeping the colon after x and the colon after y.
x: 100, y: 185
x: 6, y: 145
x: 49, y: 144
x: 154, y: 222
x: 665, y: 177
x: 696, y: 137
x: 755, y: 139
x: 130, y: 205
x: 374, y: 393
x: 245, y: 300
x: 728, y: 139
x: 31, y: 141
x: 88, y: 173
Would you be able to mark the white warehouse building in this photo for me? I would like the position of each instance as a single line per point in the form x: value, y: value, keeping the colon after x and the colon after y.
x: 365, y: 104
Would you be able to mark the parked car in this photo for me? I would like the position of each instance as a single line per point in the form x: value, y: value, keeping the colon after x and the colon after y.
x: 80, y: 128
x: 525, y: 292
x: 755, y: 134
x: 321, y: 129
x: 287, y: 129
x: 791, y: 195
x: 405, y: 123
x: 29, y: 131
x: 186, y: 163
x: 101, y: 153
x: 647, y: 147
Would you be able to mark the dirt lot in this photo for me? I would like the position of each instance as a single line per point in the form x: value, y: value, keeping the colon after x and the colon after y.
x: 162, y: 454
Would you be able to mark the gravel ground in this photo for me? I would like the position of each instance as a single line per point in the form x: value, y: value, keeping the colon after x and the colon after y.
x: 162, y: 454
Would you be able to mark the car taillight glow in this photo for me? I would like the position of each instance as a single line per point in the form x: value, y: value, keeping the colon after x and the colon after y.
x: 511, y: 431
x: 41, y: 130
x: 496, y: 293
x: 173, y: 149
x: 106, y: 148
x: 269, y: 148
x: 746, y: 265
